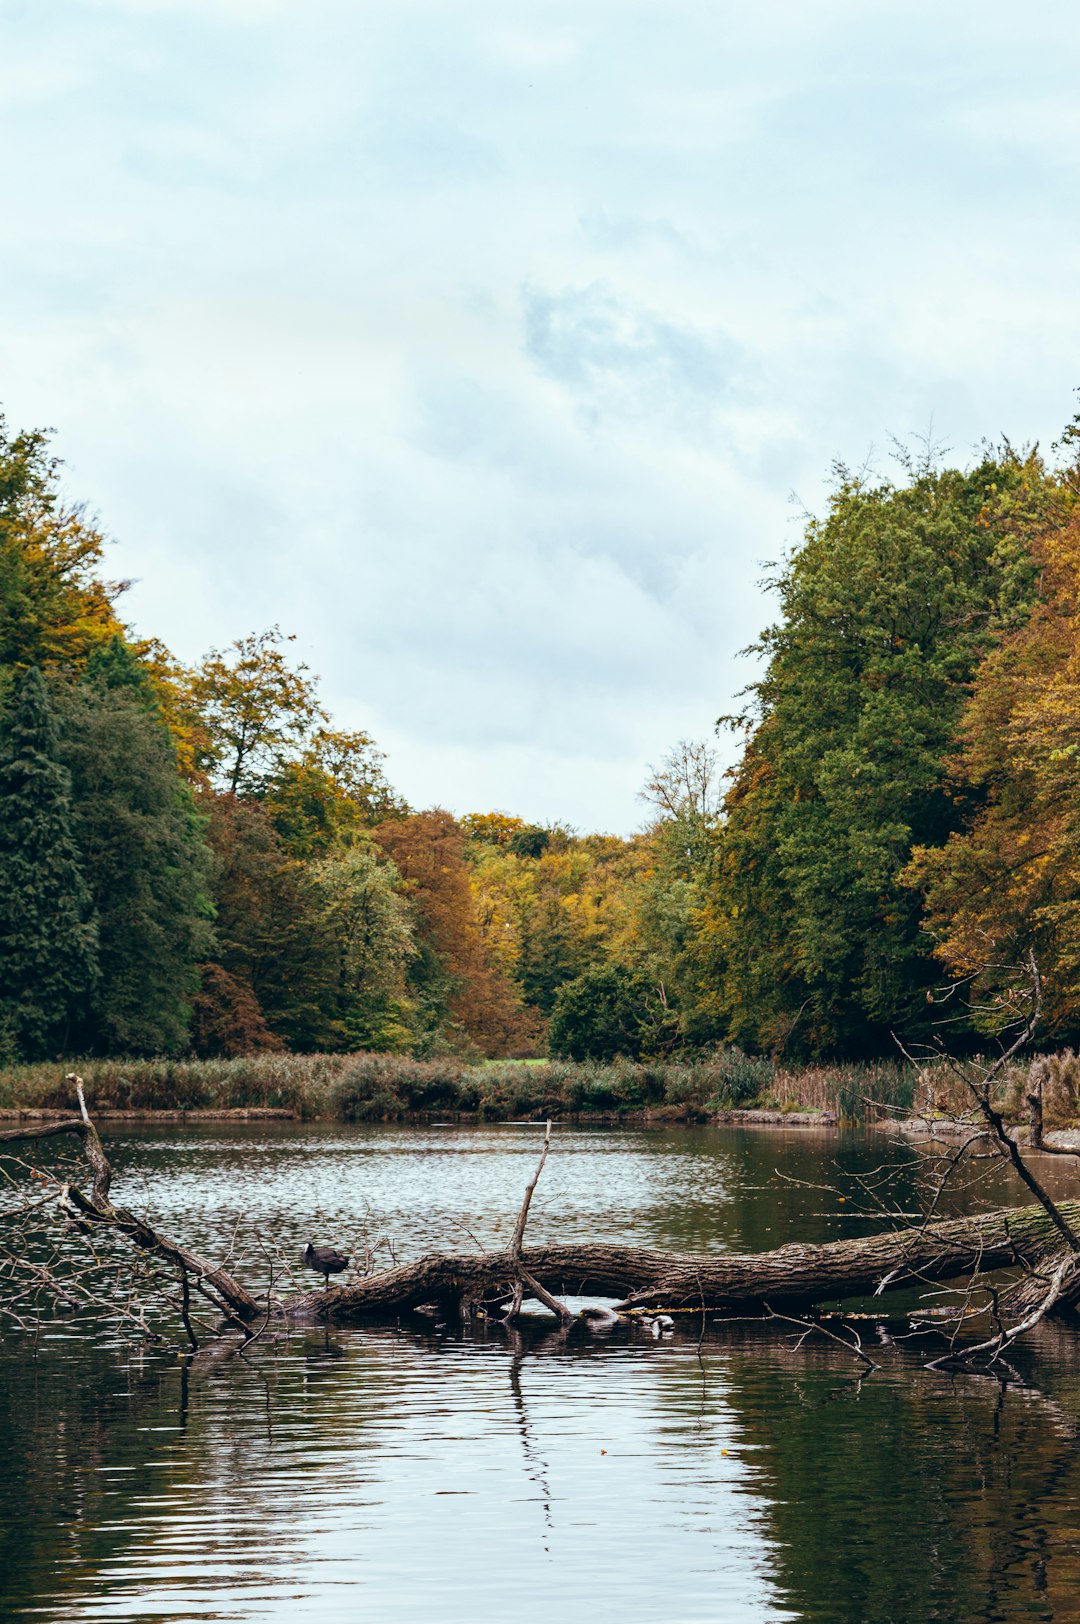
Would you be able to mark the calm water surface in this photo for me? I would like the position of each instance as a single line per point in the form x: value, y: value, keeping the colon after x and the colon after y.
x: 469, y: 1475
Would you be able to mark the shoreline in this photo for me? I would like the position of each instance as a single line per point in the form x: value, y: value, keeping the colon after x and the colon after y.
x: 665, y: 1116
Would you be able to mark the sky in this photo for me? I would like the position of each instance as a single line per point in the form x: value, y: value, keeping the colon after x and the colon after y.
x: 494, y: 348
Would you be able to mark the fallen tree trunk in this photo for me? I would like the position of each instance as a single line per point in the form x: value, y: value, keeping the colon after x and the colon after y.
x: 795, y: 1276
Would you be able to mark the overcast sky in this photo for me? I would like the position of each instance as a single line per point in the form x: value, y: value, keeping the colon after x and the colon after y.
x: 482, y: 343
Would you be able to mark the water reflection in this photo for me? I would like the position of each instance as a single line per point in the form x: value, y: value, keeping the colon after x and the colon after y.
x: 473, y: 1475
x: 423, y: 1473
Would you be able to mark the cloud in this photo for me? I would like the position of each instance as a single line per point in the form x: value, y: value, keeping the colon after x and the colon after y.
x: 616, y: 357
x: 483, y: 350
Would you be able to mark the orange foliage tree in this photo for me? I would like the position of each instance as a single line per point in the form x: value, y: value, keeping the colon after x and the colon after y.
x: 1010, y: 881
x: 461, y: 990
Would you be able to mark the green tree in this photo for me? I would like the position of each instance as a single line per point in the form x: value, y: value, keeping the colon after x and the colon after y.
x: 607, y: 1012
x: 325, y: 798
x: 686, y: 792
x: 371, y: 930
x: 806, y: 936
x: 48, y: 949
x: 143, y: 857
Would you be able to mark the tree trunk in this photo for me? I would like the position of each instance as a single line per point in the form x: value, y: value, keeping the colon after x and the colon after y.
x: 795, y: 1276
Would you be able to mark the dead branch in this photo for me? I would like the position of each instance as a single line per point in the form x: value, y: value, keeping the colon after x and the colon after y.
x: 1005, y: 1336
x: 96, y: 1209
x: 523, y: 1277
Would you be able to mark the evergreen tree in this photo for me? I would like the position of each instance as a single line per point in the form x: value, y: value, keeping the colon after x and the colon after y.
x: 48, y: 948
x: 143, y: 857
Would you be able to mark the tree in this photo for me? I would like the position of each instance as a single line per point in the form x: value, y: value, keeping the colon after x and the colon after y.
x: 254, y: 711
x: 270, y: 934
x: 143, y: 858
x: 326, y: 798
x: 491, y: 828
x: 548, y: 909
x: 602, y: 1014
x: 686, y: 791
x: 55, y: 608
x: 461, y: 994
x: 48, y: 946
x: 687, y: 783
x: 806, y: 935
x: 530, y: 841
x: 370, y: 927
x: 227, y: 1020
x: 1008, y: 883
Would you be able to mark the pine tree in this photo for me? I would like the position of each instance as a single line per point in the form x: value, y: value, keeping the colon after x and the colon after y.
x: 48, y: 947
x: 143, y: 855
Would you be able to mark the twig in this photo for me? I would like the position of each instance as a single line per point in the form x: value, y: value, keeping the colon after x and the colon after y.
x: 808, y: 1327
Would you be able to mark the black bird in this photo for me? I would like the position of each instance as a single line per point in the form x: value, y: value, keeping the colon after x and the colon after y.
x: 325, y: 1260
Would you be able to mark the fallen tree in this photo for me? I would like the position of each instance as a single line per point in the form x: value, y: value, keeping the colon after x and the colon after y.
x: 792, y: 1277
x: 1033, y: 1240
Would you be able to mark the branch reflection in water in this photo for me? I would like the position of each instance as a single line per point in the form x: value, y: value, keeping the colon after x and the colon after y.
x: 336, y: 1473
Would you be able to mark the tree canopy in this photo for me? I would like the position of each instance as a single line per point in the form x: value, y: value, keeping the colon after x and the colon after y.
x: 206, y: 859
x: 807, y: 937
x: 48, y: 939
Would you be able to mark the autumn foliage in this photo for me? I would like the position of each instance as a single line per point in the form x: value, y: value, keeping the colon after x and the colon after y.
x: 1008, y: 882
x: 203, y: 860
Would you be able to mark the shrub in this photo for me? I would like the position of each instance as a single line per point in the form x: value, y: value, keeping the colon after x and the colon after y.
x: 601, y: 1015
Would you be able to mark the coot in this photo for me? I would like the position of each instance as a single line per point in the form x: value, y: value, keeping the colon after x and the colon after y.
x: 325, y: 1260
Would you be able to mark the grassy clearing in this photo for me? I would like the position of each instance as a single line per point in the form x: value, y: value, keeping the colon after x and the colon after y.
x: 373, y: 1087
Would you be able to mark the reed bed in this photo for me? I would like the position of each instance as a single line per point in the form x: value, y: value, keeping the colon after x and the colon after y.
x: 379, y: 1087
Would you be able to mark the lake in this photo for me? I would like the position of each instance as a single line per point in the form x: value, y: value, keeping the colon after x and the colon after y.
x: 719, y: 1473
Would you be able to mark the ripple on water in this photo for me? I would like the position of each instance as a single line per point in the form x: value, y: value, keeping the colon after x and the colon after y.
x: 415, y: 1474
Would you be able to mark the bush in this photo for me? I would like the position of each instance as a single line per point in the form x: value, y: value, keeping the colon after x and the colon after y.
x: 739, y: 1077
x: 600, y: 1015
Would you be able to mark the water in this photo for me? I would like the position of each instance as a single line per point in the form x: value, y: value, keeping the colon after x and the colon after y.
x: 470, y: 1475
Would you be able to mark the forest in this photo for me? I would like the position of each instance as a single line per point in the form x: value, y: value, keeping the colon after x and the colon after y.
x: 197, y: 861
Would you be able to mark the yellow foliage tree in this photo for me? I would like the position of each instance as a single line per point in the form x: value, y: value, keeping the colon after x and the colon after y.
x: 1010, y: 882
x: 56, y: 607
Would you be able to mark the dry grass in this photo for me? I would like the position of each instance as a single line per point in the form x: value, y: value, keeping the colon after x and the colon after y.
x: 391, y: 1087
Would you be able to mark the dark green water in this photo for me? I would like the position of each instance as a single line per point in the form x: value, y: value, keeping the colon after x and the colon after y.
x: 463, y: 1475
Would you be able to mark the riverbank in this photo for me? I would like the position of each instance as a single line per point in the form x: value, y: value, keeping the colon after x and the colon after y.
x: 388, y: 1088
x: 666, y: 1116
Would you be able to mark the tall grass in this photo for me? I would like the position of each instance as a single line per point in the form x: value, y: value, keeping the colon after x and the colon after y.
x: 377, y: 1087
x: 856, y: 1092
x: 305, y: 1084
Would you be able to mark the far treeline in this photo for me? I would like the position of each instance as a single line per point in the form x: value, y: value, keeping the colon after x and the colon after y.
x: 197, y: 861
